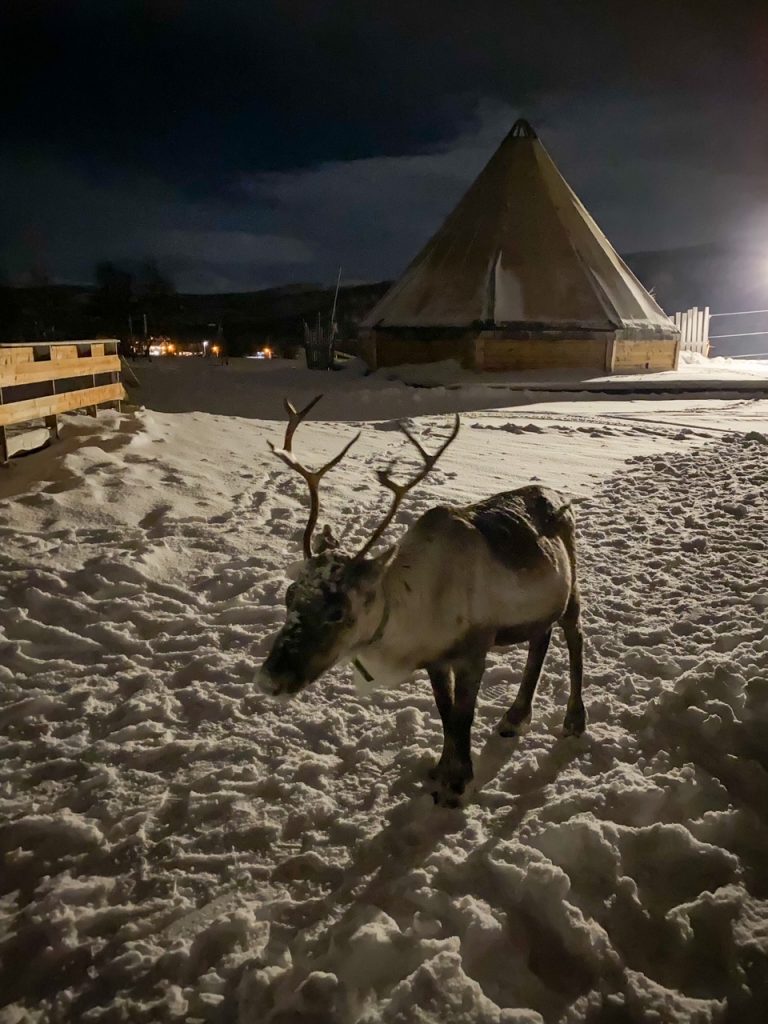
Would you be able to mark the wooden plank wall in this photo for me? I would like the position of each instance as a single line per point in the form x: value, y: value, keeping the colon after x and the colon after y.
x: 395, y: 351
x: 644, y: 355
x: 52, y: 405
x: 489, y: 353
x: 366, y: 349
x: 540, y: 354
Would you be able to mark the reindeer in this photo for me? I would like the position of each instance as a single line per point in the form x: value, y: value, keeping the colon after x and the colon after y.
x: 459, y: 582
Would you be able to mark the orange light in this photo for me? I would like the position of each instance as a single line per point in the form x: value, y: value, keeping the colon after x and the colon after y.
x: 215, y: 350
x: 267, y: 352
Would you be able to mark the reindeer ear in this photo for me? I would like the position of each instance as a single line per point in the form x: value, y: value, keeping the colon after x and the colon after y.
x: 385, y: 559
x: 370, y: 570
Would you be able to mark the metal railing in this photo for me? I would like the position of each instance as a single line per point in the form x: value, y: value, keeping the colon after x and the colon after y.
x: 743, y: 334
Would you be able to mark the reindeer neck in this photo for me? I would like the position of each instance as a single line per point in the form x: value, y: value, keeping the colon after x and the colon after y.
x: 377, y: 660
x: 378, y: 634
x: 383, y: 623
x: 398, y: 596
x: 386, y: 584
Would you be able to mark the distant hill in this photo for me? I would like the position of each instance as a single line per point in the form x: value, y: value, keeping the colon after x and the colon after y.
x: 245, y: 319
x: 721, y: 275
x: 278, y: 312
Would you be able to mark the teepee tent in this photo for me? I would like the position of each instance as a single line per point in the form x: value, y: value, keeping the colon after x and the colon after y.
x: 520, y: 277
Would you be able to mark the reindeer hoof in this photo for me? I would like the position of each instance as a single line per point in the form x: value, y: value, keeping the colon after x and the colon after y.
x: 449, y: 790
x: 451, y: 802
x: 516, y: 722
x: 575, y: 721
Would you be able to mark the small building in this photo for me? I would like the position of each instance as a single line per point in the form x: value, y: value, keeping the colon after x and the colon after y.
x: 520, y: 277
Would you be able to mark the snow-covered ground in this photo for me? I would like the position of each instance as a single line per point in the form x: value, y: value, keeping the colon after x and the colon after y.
x: 254, y: 388
x: 177, y: 847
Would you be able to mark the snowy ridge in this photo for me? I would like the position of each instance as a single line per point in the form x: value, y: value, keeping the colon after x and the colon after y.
x: 177, y: 847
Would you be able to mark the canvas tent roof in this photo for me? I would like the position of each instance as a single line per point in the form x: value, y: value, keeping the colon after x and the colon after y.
x: 519, y: 249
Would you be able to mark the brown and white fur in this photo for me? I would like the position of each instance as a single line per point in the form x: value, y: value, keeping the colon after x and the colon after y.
x: 461, y: 581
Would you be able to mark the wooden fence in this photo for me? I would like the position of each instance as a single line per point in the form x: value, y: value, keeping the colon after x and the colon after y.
x: 41, y: 380
x: 694, y: 329
x: 319, y: 345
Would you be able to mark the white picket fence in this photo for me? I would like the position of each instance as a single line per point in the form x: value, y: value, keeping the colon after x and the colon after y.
x: 694, y: 329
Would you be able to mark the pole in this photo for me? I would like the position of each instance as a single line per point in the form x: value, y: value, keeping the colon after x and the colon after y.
x: 335, y: 297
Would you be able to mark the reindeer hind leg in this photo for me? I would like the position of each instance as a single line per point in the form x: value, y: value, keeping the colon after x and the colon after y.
x: 575, y: 716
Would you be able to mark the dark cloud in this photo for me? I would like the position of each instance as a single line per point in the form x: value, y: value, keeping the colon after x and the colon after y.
x: 281, y: 132
x: 195, y: 90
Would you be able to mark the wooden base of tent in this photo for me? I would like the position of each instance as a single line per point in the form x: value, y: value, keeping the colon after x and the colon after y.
x: 600, y: 355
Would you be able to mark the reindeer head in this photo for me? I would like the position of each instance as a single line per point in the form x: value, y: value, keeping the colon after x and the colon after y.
x: 337, y: 603
x: 333, y: 608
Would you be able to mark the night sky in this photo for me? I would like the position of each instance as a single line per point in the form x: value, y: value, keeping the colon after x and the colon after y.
x: 245, y: 144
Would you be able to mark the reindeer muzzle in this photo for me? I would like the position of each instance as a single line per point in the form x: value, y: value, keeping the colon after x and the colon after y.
x: 276, y: 686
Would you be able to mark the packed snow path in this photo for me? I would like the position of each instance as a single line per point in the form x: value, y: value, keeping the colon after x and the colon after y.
x: 177, y: 847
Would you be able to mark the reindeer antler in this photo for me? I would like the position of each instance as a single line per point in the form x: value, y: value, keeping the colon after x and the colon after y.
x: 312, y: 476
x: 399, y: 491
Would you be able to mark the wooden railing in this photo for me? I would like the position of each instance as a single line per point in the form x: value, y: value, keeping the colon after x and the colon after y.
x: 41, y: 380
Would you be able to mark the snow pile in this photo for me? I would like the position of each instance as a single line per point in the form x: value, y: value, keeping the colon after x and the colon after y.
x: 178, y: 847
x: 723, y: 365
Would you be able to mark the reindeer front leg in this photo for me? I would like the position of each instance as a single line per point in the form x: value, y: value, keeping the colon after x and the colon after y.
x: 441, y: 678
x: 453, y: 771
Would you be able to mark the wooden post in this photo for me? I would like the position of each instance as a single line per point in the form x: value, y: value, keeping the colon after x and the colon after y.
x: 3, y: 439
x: 610, y: 355
x: 699, y: 322
x: 52, y: 422
x: 478, y: 356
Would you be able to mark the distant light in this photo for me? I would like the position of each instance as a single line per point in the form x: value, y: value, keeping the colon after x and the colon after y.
x: 215, y: 349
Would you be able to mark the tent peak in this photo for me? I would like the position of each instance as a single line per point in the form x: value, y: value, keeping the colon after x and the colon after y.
x: 522, y: 129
